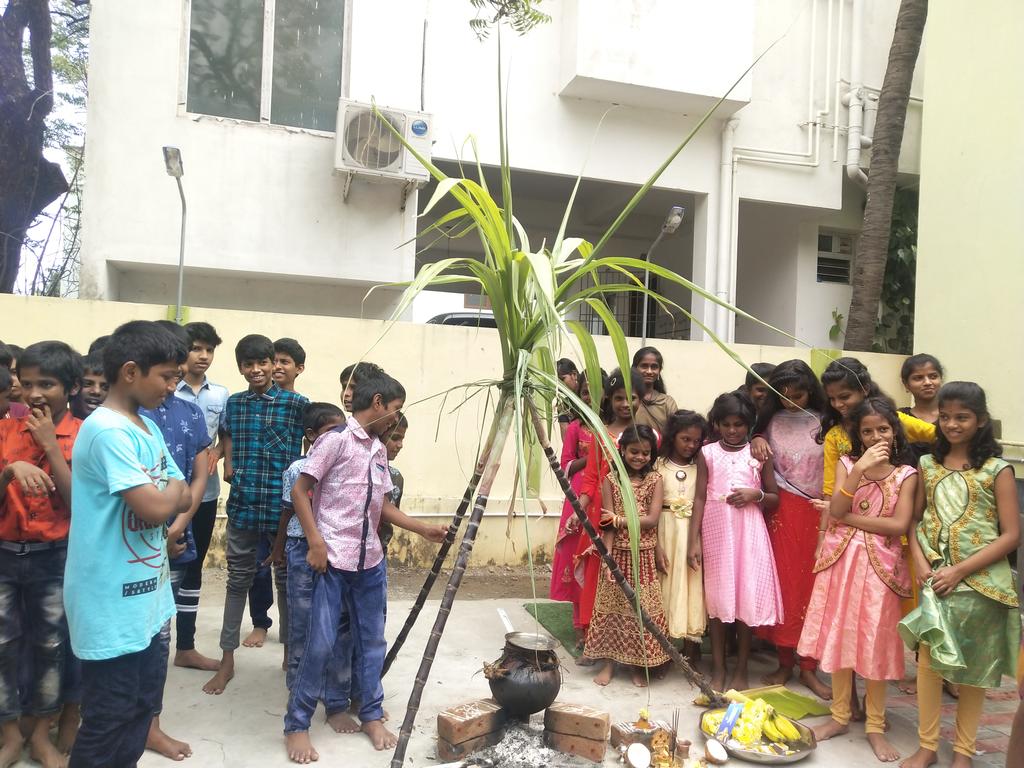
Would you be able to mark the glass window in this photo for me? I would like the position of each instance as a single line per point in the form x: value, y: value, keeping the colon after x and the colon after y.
x: 307, y: 63
x: 228, y: 56
x: 225, y: 61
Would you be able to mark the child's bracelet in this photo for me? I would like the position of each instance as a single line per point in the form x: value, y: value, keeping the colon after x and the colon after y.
x: 845, y: 492
x: 762, y: 497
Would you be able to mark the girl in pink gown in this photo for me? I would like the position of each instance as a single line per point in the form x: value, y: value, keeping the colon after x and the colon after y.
x: 575, y: 449
x: 729, y: 538
x: 851, y: 623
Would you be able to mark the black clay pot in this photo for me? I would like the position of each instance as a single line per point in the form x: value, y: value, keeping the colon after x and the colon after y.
x: 527, y: 677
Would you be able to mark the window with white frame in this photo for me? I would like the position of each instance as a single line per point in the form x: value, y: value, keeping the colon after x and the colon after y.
x: 271, y: 61
x: 835, y: 254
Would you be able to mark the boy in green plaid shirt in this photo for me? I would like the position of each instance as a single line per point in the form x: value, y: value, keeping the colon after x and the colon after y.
x: 263, y: 428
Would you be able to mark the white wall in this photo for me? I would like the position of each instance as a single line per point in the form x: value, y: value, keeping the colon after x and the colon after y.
x: 263, y: 200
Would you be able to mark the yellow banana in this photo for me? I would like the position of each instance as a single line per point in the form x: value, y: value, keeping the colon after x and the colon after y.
x: 786, y: 728
x: 771, y: 731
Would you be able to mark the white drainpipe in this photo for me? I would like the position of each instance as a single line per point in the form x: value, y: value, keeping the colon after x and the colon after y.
x: 855, y: 99
x: 723, y: 266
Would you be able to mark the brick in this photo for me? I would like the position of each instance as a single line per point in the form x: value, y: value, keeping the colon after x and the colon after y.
x: 467, y: 721
x: 452, y: 752
x: 589, y: 749
x: 577, y: 720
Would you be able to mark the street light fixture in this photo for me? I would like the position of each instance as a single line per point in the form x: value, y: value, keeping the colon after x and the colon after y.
x: 172, y: 161
x: 670, y: 225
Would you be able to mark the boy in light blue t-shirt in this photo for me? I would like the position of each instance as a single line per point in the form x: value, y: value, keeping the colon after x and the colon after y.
x: 117, y: 591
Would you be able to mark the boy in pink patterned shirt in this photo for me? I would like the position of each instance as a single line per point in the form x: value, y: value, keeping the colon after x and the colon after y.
x: 348, y: 472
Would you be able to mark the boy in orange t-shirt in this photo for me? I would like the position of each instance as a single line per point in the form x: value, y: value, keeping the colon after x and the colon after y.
x: 35, y: 514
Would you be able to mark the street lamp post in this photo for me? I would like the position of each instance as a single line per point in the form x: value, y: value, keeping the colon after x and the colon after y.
x: 670, y: 225
x: 172, y: 161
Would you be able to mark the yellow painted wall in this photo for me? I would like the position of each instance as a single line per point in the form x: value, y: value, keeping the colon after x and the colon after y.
x: 970, y: 264
x: 429, y: 360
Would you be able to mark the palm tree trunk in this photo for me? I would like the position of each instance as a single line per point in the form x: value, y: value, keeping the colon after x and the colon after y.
x: 492, y: 461
x: 695, y: 677
x: 872, y: 249
x: 435, y: 571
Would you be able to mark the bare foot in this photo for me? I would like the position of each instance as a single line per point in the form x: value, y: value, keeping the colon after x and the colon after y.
x: 10, y: 752
x: 43, y: 751
x: 605, y: 675
x: 343, y: 722
x: 161, y: 743
x: 884, y: 751
x: 381, y: 737
x: 828, y: 730
x: 256, y: 638
x: 639, y: 677
x: 740, y: 680
x: 921, y: 759
x: 961, y: 761
x: 585, y: 661
x: 353, y: 709
x: 908, y: 686
x: 216, y: 684
x: 718, y: 680
x: 780, y: 676
x: 951, y: 688
x: 300, y: 748
x: 193, y: 659
x: 810, y: 679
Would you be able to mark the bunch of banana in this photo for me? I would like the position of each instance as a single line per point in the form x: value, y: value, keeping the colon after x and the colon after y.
x: 779, y: 728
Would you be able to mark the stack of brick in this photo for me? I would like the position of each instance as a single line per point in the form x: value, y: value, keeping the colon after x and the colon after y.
x: 575, y: 729
x: 464, y: 729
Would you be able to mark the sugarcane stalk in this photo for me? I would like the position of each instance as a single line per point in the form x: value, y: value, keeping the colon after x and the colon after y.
x: 492, y: 461
x: 435, y: 571
x: 695, y: 677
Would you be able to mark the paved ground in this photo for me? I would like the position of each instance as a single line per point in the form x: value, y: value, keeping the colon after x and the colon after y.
x: 243, y: 726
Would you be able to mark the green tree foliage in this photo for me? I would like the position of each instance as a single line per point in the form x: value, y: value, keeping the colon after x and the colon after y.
x: 895, y: 329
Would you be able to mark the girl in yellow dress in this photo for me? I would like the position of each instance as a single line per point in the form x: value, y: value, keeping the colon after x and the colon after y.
x: 682, y: 587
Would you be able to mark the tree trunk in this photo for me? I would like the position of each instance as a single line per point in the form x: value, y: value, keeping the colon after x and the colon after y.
x: 872, y: 249
x: 29, y: 181
x: 695, y: 677
x: 492, y: 461
x: 435, y: 571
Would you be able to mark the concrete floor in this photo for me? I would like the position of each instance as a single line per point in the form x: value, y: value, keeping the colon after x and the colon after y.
x: 243, y: 727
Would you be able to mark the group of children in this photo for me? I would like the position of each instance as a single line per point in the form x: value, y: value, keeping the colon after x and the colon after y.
x: 108, y: 499
x: 814, y: 514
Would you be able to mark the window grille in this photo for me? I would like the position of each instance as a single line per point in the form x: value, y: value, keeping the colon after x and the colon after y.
x: 835, y: 255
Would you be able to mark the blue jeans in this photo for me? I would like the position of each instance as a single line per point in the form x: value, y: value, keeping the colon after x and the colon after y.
x: 32, y: 604
x: 119, y: 696
x: 364, y: 594
x: 335, y: 694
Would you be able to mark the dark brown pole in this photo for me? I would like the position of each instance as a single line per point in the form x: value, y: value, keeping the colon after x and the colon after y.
x: 435, y: 571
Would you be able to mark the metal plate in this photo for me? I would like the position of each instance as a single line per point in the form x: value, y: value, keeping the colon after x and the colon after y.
x: 531, y: 641
x: 800, y: 751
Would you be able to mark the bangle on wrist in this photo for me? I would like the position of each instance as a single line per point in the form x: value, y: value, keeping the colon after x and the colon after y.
x: 845, y: 492
x: 762, y: 497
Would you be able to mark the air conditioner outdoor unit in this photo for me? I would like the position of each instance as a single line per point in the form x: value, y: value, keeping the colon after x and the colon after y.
x: 366, y: 147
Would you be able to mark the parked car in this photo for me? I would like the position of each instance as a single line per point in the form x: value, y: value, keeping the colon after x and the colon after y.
x: 482, y: 319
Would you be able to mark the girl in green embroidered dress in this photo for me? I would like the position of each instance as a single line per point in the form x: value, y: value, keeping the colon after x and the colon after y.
x: 966, y: 524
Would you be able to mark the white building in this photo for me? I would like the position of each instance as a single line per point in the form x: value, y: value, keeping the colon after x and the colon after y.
x: 248, y: 90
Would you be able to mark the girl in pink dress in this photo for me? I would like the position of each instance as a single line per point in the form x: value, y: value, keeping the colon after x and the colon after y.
x: 575, y: 449
x: 729, y: 538
x: 851, y: 623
